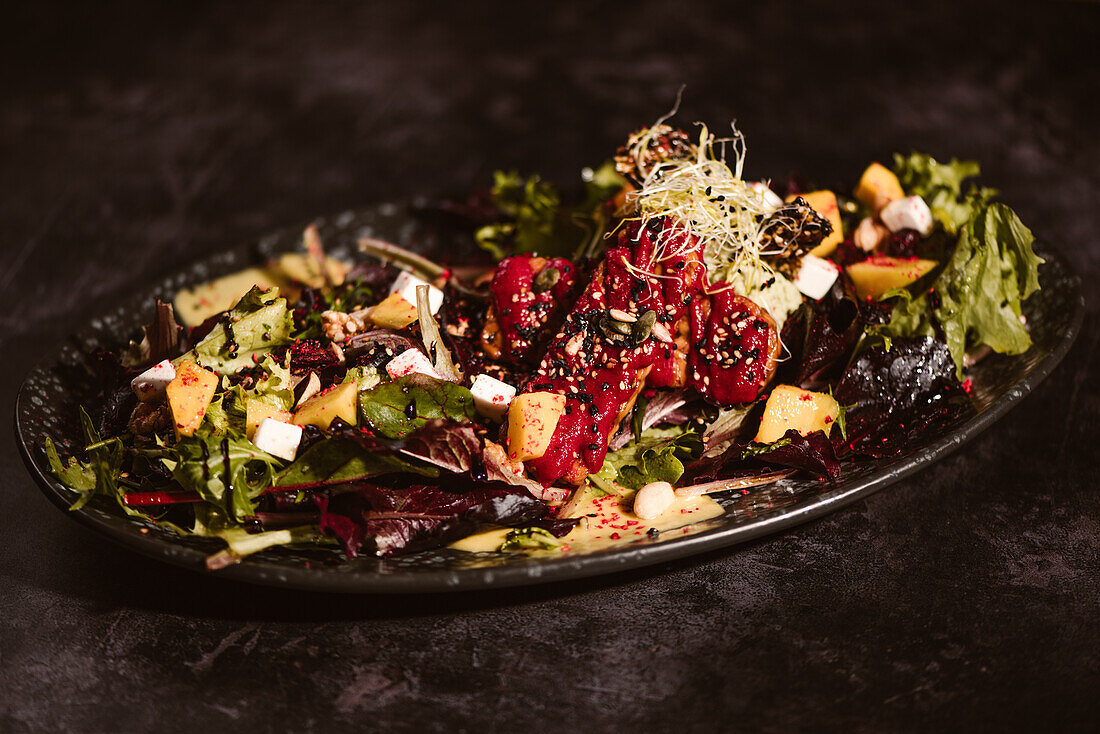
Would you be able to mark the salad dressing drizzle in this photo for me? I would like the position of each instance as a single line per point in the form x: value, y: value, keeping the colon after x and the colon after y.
x: 227, y: 478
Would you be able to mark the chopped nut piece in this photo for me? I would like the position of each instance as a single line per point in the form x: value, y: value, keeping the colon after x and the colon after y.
x: 338, y: 326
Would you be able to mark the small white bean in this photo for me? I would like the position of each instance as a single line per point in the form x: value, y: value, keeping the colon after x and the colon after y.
x: 653, y: 499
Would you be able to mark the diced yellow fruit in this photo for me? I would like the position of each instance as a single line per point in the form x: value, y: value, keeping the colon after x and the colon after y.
x: 532, y: 418
x: 337, y: 402
x: 394, y: 312
x: 878, y: 186
x: 824, y: 203
x: 189, y: 394
x: 302, y: 268
x: 256, y: 410
x: 879, y: 274
x: 792, y: 407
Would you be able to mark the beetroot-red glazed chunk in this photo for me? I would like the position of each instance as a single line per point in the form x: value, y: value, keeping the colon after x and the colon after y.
x: 619, y: 337
x: 529, y: 296
x: 735, y: 345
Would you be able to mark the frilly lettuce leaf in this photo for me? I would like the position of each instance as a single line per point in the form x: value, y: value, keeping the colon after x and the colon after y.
x: 992, y: 271
x: 941, y: 187
x: 259, y: 322
x: 658, y: 456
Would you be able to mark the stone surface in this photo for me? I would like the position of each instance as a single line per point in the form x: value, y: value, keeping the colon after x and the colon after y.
x: 136, y: 140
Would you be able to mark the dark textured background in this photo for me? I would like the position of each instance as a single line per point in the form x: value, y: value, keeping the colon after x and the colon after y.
x: 134, y: 140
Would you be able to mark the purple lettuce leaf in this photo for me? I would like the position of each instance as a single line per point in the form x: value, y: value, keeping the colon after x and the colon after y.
x: 387, y: 521
x: 812, y: 453
x: 899, y: 397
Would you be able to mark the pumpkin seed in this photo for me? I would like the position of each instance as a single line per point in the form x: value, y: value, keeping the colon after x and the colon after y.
x: 643, y: 327
x: 545, y: 280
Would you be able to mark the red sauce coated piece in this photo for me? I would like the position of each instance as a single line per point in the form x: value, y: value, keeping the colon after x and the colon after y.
x: 735, y: 345
x: 523, y: 308
x: 601, y: 375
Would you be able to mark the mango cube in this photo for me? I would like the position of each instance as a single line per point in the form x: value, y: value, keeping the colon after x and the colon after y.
x: 341, y: 401
x: 792, y: 407
x: 532, y: 418
x: 189, y: 394
x: 879, y: 274
x: 394, y: 312
x: 824, y: 203
x: 878, y: 186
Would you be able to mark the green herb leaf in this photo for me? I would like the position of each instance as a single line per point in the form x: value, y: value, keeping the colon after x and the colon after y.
x: 535, y: 220
x: 529, y: 539
x: 385, y: 408
x: 659, y: 455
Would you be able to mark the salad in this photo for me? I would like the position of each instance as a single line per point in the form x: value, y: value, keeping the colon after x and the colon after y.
x: 677, y: 331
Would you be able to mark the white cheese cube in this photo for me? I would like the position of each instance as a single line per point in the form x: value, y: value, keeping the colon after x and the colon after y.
x: 816, y: 276
x: 150, y: 384
x: 406, y: 284
x: 492, y: 397
x: 410, y: 361
x: 278, y: 438
x: 908, y: 213
x: 769, y: 198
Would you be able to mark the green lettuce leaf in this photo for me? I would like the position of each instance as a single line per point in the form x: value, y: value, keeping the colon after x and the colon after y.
x: 385, y: 408
x: 260, y: 322
x: 941, y: 187
x: 980, y: 290
x: 657, y: 456
x: 207, y: 463
x: 274, y: 386
x: 992, y: 271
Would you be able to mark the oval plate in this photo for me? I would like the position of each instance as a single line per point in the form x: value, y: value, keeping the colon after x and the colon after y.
x: 48, y: 399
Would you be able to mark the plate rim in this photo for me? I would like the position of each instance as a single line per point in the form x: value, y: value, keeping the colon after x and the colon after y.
x: 257, y: 570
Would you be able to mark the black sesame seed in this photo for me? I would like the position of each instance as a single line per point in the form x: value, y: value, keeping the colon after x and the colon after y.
x: 593, y: 447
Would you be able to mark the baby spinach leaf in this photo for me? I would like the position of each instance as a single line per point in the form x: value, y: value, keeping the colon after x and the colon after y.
x: 396, y: 409
x: 339, y: 460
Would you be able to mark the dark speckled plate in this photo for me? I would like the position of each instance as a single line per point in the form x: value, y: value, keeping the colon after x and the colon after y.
x: 48, y: 400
